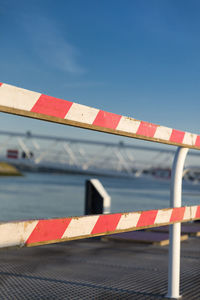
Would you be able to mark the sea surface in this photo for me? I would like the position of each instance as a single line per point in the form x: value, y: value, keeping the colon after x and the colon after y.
x: 37, y: 195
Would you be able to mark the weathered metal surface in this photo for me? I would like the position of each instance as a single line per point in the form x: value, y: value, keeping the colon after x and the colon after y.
x: 91, y: 269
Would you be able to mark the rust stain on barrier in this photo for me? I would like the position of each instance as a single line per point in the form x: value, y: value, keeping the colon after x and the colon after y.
x: 26, y: 223
x: 78, y: 218
x: 126, y: 214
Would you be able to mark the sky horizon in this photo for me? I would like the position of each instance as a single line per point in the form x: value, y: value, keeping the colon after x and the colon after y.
x: 133, y: 58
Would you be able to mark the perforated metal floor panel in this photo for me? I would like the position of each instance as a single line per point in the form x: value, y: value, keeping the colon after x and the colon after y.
x: 92, y: 269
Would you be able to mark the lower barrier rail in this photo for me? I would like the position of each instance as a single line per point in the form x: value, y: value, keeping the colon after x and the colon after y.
x: 38, y: 232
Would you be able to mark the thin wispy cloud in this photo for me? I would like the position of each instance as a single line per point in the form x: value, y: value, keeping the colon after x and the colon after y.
x: 51, y: 45
x: 83, y: 84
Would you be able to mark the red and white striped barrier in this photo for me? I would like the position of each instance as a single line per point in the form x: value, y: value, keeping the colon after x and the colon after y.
x: 31, y: 233
x: 37, y: 232
x: 31, y: 104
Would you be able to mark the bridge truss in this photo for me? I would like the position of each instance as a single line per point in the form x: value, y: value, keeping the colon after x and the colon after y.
x: 37, y: 152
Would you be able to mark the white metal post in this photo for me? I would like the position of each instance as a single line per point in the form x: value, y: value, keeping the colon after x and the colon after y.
x: 175, y: 229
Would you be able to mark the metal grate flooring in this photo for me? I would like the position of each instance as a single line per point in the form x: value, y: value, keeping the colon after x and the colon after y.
x: 92, y: 269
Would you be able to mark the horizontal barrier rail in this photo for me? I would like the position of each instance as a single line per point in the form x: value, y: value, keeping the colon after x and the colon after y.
x: 38, y: 232
x: 39, y: 106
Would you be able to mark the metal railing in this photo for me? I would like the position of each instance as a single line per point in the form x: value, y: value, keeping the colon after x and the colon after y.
x: 22, y: 102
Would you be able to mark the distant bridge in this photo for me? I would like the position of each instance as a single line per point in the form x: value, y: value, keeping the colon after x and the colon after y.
x: 51, y: 153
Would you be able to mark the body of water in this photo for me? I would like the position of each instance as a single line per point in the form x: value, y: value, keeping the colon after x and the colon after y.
x: 37, y: 195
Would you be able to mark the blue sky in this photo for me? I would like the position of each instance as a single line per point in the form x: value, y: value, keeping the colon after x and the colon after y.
x: 137, y: 58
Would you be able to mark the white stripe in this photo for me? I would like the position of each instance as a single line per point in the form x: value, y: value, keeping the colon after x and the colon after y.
x: 13, y: 234
x: 80, y: 226
x: 193, y: 211
x: 128, y: 221
x: 189, y: 138
x: 14, y: 97
x: 163, y: 216
x: 102, y: 192
x: 128, y: 125
x: 187, y: 214
x: 163, y: 133
x: 82, y: 113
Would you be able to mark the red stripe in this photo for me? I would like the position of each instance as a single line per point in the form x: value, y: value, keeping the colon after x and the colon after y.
x: 51, y: 106
x: 146, y: 129
x: 107, y: 120
x: 1, y: 83
x: 177, y: 136
x: 197, y: 143
x: 106, y: 223
x: 48, y: 230
x: 177, y: 214
x: 197, y: 212
x: 147, y: 218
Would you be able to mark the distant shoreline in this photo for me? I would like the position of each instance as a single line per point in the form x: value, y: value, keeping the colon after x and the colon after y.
x: 8, y: 170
